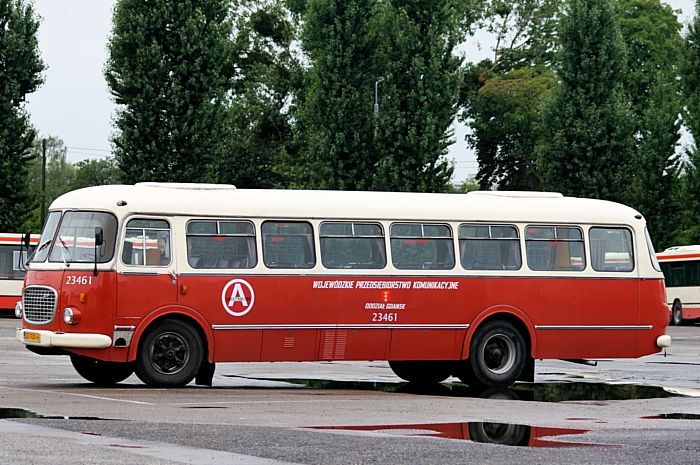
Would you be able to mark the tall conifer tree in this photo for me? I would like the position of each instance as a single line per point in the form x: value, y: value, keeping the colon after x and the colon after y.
x: 588, y: 141
x: 169, y: 70
x: 20, y: 74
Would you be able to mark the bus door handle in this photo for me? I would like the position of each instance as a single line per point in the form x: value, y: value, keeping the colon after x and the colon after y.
x: 173, y: 276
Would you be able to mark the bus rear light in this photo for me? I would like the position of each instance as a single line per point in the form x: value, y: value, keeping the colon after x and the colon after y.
x: 71, y: 316
x: 19, y: 309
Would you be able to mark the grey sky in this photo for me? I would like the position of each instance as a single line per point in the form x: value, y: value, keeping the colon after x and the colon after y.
x: 74, y: 104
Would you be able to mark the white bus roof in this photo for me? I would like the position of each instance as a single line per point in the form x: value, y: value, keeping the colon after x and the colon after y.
x: 211, y: 200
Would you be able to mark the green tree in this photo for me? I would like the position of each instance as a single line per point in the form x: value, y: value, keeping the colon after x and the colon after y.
x: 96, y: 173
x: 335, y: 119
x: 690, y: 79
x: 20, y: 74
x: 502, y: 97
x: 419, y: 94
x: 59, y: 177
x: 169, y: 70
x: 260, y: 137
x: 506, y: 127
x: 588, y: 148
x: 651, y: 33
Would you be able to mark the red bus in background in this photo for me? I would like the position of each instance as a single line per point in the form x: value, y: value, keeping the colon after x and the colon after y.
x: 681, y: 268
x: 12, y: 268
x: 165, y: 280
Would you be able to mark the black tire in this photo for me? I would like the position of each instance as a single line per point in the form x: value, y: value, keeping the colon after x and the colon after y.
x: 499, y: 433
x: 497, y: 356
x: 677, y: 314
x: 100, y: 372
x: 422, y: 371
x: 169, y: 355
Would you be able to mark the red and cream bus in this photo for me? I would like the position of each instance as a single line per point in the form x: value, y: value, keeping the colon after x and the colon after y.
x: 681, y: 268
x: 12, y: 268
x: 168, y: 279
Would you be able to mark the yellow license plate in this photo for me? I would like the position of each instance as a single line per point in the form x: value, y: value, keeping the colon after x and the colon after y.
x: 30, y: 336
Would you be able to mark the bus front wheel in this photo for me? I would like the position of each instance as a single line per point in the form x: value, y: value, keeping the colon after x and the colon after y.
x: 677, y: 314
x: 169, y: 355
x: 497, y: 356
x: 101, y: 372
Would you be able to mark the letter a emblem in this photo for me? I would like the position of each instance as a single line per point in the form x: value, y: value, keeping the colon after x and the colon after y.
x: 237, y: 297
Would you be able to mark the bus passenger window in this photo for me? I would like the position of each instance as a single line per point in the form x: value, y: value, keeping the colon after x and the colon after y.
x: 555, y: 248
x: 147, y: 242
x: 418, y: 246
x: 217, y: 244
x: 489, y: 247
x: 352, y: 245
x: 288, y: 245
x: 611, y: 249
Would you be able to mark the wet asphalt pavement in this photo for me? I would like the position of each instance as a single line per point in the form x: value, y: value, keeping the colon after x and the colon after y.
x: 621, y: 411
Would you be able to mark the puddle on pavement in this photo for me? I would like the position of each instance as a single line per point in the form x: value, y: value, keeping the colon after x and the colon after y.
x: 22, y: 413
x: 539, y: 392
x: 674, y: 416
x: 494, y: 433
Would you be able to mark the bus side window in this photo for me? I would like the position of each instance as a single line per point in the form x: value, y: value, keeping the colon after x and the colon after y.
x: 555, y: 248
x: 288, y: 245
x: 489, y: 247
x: 418, y: 246
x: 218, y: 244
x: 352, y: 245
x: 147, y: 242
x: 611, y: 249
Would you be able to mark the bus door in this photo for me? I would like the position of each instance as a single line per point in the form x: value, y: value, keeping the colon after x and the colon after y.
x: 147, y: 276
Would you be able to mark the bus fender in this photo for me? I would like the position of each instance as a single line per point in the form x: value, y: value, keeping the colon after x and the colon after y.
x: 172, y: 310
x: 506, y: 312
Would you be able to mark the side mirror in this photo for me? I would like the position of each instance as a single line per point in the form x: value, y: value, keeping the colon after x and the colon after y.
x: 99, y: 236
x: 26, y: 239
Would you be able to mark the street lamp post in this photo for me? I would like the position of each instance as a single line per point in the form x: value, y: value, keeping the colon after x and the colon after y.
x: 376, y: 94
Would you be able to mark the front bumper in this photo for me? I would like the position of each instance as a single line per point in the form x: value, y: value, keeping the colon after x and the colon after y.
x: 43, y: 338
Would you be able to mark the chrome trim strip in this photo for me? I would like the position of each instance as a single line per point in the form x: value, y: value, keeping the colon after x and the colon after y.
x: 594, y: 327
x: 346, y: 326
x: 124, y: 328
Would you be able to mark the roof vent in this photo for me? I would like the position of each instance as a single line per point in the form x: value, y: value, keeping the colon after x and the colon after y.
x: 519, y: 194
x: 188, y: 186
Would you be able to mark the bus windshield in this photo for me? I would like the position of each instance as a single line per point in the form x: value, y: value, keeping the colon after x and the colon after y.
x: 75, y: 240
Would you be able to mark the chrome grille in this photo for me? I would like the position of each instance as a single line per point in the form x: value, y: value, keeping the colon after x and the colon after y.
x: 39, y: 304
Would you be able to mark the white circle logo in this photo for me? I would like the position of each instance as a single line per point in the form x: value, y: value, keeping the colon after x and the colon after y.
x: 238, y: 297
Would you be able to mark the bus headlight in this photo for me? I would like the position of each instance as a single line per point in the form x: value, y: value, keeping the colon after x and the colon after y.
x: 71, y: 316
x: 19, y: 309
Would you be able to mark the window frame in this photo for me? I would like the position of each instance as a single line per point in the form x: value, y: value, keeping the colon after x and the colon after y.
x: 147, y: 218
x: 515, y: 239
x: 312, y: 244
x: 449, y: 239
x: 218, y: 233
x: 632, y: 255
x: 556, y: 227
x: 353, y: 235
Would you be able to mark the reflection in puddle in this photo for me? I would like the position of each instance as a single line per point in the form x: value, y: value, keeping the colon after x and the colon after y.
x: 674, y: 416
x: 539, y: 392
x: 22, y: 413
x: 493, y: 433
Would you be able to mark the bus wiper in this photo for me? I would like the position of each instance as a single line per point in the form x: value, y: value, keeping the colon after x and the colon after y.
x: 64, y: 250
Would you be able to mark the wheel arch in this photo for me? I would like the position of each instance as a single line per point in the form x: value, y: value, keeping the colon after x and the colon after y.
x: 175, y: 312
x: 506, y: 313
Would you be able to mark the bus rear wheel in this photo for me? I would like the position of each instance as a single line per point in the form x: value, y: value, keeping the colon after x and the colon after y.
x: 101, y: 372
x: 422, y: 371
x: 169, y: 355
x: 497, y: 356
x: 677, y: 314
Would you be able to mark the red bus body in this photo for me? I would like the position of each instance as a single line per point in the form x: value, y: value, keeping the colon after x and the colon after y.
x: 261, y: 314
x: 11, y: 276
